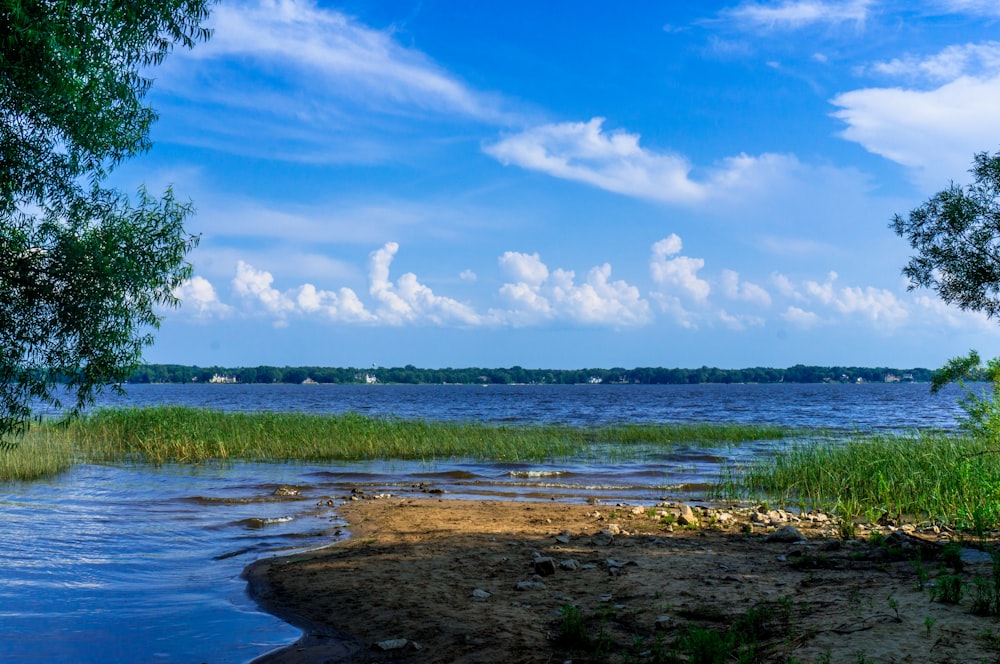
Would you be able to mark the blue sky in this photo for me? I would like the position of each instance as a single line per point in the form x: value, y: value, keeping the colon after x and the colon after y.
x: 569, y: 184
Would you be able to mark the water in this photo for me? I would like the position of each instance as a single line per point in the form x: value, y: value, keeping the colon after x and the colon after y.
x: 138, y: 564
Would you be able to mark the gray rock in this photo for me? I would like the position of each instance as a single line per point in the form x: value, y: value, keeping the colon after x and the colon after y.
x: 545, y: 566
x: 569, y: 565
x: 786, y: 534
x: 973, y: 556
x: 529, y: 585
x: 391, y: 644
x: 562, y: 539
x: 687, y: 517
x: 603, y: 538
x: 479, y: 593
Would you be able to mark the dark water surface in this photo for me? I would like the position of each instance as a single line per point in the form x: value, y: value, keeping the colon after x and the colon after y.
x: 140, y: 564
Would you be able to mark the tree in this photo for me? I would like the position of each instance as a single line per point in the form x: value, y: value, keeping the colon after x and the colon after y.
x: 83, y: 267
x: 956, y: 235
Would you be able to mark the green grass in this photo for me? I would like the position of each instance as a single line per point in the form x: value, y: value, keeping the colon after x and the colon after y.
x: 953, y: 480
x: 188, y: 435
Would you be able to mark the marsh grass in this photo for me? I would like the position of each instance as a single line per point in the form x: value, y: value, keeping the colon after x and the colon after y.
x: 949, y: 479
x: 171, y: 434
x: 42, y: 452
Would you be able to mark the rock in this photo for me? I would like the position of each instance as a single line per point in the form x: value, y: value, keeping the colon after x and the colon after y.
x: 786, y: 534
x: 286, y: 491
x: 972, y: 556
x: 687, y: 516
x: 545, y: 566
x: 664, y: 622
x: 614, y: 529
x: 603, y: 538
x: 637, y: 511
x: 569, y: 565
x: 529, y: 585
x: 391, y: 644
x: 479, y: 593
x: 562, y: 539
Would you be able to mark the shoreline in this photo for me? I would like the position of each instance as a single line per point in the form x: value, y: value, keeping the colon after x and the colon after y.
x: 429, y: 579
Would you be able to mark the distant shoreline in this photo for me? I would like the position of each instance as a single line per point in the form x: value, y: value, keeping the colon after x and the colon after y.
x: 516, y: 375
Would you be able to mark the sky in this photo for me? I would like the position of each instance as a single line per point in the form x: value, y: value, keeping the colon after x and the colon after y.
x: 568, y: 184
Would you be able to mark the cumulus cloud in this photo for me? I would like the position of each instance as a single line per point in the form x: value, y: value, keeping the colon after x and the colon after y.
x: 535, y: 294
x: 199, y: 299
x: 678, y: 275
x: 538, y: 295
x: 878, y: 305
x: 255, y: 287
x: 800, y: 317
x: 795, y: 14
x: 614, y: 161
x: 933, y: 130
x: 736, y: 289
x: 407, y: 300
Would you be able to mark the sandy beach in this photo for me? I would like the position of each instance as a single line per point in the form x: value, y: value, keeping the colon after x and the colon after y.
x: 429, y: 579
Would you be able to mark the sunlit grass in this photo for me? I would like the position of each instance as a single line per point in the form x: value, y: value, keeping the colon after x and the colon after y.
x: 949, y: 479
x: 188, y: 435
x: 42, y: 452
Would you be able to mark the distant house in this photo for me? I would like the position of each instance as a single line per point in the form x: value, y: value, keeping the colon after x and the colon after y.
x: 594, y: 380
x: 370, y: 379
x: 220, y: 379
x: 892, y: 378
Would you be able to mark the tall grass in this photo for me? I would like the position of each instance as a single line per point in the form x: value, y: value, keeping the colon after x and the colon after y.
x: 179, y: 434
x: 42, y: 452
x: 188, y: 435
x: 953, y: 480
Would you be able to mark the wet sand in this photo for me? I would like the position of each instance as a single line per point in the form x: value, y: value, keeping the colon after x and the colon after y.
x: 426, y: 579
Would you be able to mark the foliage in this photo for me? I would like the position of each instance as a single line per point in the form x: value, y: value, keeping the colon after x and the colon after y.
x: 82, y: 266
x: 956, y: 235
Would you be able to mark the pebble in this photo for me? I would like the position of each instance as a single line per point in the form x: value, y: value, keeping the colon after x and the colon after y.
x: 391, y: 644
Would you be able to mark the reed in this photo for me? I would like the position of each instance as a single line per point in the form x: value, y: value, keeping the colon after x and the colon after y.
x: 179, y: 434
x: 953, y: 480
x: 42, y: 452
x: 188, y: 435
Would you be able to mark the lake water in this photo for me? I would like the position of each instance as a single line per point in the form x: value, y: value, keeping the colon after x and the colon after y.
x: 139, y: 564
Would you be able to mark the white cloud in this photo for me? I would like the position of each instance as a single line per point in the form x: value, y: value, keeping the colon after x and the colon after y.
x: 949, y: 64
x: 877, y: 305
x: 199, y: 299
x: 408, y: 300
x: 524, y: 268
x: 736, y: 289
x: 933, y: 131
x: 468, y: 275
x: 255, y: 286
x: 680, y: 274
x: 794, y: 14
x: 976, y: 7
x: 291, y: 80
x: 538, y: 295
x: 335, y: 52
x: 800, y: 317
x: 614, y: 161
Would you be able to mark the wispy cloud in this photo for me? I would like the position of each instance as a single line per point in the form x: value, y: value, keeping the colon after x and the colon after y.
x: 795, y: 14
x: 978, y: 60
x: 934, y: 131
x: 291, y: 80
x: 614, y: 161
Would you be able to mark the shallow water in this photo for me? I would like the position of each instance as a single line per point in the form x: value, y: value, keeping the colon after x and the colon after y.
x: 142, y: 564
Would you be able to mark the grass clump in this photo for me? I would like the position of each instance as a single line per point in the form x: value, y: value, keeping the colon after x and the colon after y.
x: 949, y: 479
x: 41, y: 452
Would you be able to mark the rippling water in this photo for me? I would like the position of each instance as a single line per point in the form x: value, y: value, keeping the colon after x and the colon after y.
x: 142, y: 565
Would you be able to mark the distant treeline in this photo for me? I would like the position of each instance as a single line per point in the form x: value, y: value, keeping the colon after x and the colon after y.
x: 175, y: 373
